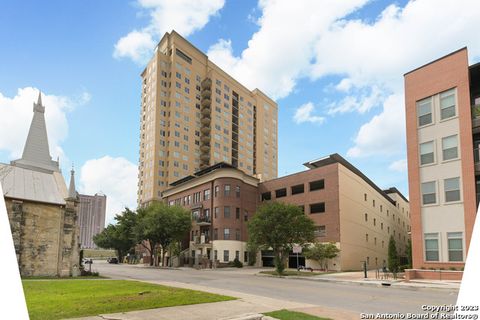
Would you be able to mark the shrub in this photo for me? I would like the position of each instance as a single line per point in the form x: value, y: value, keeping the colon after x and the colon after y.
x: 403, y: 267
x: 452, y: 268
x: 237, y: 263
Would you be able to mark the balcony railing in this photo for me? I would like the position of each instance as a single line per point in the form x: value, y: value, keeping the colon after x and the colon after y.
x: 476, y: 155
x: 203, y: 239
x: 202, y: 219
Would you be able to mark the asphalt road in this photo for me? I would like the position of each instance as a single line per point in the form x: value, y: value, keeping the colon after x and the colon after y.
x: 351, y: 297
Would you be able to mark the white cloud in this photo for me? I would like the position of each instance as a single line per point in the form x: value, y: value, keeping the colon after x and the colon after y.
x: 384, y: 134
x: 361, y: 100
x: 116, y: 178
x: 399, y: 165
x: 16, y: 115
x: 304, y: 114
x: 184, y: 16
x: 281, y: 51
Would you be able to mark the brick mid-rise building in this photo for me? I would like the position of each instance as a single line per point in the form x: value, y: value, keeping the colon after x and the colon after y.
x: 442, y: 100
x: 346, y: 207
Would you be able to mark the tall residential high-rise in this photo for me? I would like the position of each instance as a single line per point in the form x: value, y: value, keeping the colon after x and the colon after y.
x: 91, y: 218
x: 194, y: 115
x: 442, y: 101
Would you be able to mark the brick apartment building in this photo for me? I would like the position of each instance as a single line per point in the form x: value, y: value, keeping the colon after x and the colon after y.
x: 442, y: 101
x: 347, y: 208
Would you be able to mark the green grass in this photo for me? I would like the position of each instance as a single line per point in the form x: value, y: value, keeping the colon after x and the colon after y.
x: 292, y: 315
x: 98, y: 253
x: 59, y: 299
x: 289, y: 273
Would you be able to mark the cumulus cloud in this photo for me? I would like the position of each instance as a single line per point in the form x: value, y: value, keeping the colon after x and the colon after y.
x: 116, y: 178
x: 399, y: 165
x: 280, y: 52
x: 369, y: 56
x: 16, y: 115
x: 184, y: 16
x: 384, y: 134
x: 305, y: 112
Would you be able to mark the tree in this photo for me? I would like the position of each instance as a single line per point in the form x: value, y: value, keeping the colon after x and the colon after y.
x: 161, y: 225
x: 408, y: 251
x: 322, y: 252
x: 279, y: 226
x: 118, y: 236
x: 393, y: 259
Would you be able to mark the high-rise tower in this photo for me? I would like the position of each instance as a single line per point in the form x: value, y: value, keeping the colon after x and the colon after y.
x: 193, y: 115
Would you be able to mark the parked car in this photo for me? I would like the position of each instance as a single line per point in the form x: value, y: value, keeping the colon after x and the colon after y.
x: 87, y: 261
x: 303, y: 268
x: 112, y: 260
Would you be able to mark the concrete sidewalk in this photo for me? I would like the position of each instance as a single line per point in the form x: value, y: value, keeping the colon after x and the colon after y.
x: 358, y: 278
x: 246, y: 303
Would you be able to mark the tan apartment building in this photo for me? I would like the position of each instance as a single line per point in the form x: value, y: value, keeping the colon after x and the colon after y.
x: 347, y: 208
x: 91, y: 218
x: 443, y: 135
x: 194, y: 115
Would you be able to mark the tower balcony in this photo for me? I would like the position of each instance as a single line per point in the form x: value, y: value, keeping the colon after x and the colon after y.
x: 205, y: 157
x: 206, y: 102
x: 206, y: 121
x: 206, y: 83
x: 205, y: 148
x: 205, y: 139
x: 205, y: 130
x: 206, y: 111
x: 206, y: 94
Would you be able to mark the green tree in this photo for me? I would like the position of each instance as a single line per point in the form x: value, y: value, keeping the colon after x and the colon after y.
x: 393, y: 259
x: 118, y: 236
x: 161, y: 225
x: 322, y: 252
x: 279, y: 226
x: 408, y: 251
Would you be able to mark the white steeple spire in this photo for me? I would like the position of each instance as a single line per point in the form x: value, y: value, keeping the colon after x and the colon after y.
x: 36, y: 153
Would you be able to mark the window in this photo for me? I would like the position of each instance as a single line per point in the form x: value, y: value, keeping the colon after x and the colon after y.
x: 374, y: 222
x: 447, y: 104
x: 428, y: 193
x: 281, y: 193
x: 317, y: 185
x: 317, y: 207
x: 426, y: 153
x: 226, y: 234
x: 215, y: 234
x: 237, y: 213
x: 366, y: 237
x: 431, y: 247
x: 237, y: 255
x: 298, y: 189
x: 245, y: 216
x: 237, y: 191
x: 373, y: 203
x: 266, y: 196
x: 450, y: 147
x: 216, y: 190
x: 424, y: 112
x: 215, y: 254
x: 226, y: 190
x: 245, y: 256
x: 320, y: 231
x: 452, y: 189
x: 225, y: 255
x: 216, y: 210
x: 455, y: 246
x: 237, y: 234
x: 366, y: 217
x: 226, y: 212
x: 206, y: 194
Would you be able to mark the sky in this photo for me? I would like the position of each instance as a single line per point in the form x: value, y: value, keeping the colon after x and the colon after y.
x: 335, y: 68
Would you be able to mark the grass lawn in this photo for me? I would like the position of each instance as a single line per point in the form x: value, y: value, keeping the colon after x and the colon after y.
x: 59, y: 299
x: 288, y: 273
x: 292, y: 315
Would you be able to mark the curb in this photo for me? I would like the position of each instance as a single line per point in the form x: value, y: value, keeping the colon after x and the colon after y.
x: 398, y: 284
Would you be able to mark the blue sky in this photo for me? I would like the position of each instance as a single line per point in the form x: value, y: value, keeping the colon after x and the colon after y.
x: 335, y: 69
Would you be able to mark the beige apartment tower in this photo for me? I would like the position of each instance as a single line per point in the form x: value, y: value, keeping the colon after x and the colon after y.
x: 194, y: 115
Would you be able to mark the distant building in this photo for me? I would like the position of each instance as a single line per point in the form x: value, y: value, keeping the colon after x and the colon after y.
x: 346, y: 207
x: 41, y: 210
x: 91, y: 218
x: 194, y: 115
x: 442, y: 100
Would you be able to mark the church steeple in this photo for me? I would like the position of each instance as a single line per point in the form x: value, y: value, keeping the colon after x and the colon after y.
x: 36, y: 153
x: 72, y: 193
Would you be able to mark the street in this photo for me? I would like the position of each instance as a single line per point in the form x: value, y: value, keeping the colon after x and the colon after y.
x: 350, y: 297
